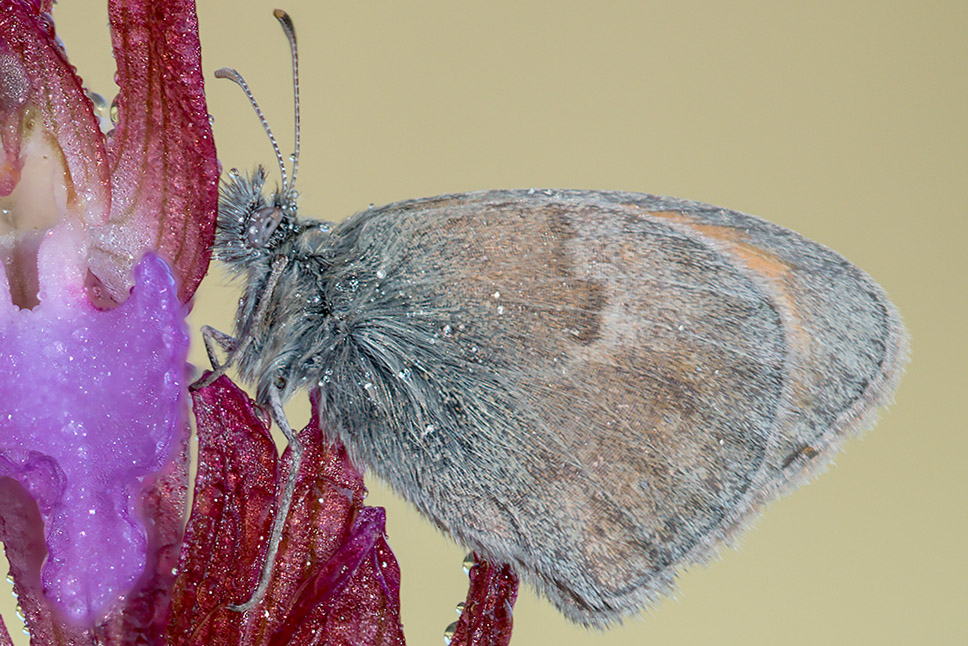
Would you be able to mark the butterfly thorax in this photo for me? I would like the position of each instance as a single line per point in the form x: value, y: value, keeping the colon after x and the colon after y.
x: 257, y: 236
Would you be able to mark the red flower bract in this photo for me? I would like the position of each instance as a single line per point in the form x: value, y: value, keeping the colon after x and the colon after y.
x: 151, y: 185
x: 488, y: 611
x: 164, y: 175
x: 335, y: 580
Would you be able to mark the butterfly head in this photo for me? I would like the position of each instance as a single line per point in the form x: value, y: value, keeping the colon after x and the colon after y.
x: 253, y: 225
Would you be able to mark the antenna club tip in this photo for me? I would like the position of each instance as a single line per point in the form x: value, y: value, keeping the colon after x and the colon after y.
x: 225, y: 73
x: 286, y: 22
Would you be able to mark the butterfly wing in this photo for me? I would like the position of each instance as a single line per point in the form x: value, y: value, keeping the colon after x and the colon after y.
x: 597, y: 387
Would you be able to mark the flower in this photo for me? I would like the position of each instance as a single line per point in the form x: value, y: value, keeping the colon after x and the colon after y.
x: 93, y: 403
x: 103, y: 240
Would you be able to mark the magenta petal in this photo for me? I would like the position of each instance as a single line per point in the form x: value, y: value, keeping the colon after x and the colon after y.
x: 488, y: 611
x: 30, y: 51
x: 164, y: 173
x: 141, y: 618
x: 93, y: 403
x: 235, y: 490
x: 335, y: 580
x: 354, y: 597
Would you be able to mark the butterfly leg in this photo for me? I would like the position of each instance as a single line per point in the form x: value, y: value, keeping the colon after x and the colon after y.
x: 285, y: 501
x: 226, y: 342
x: 235, y: 347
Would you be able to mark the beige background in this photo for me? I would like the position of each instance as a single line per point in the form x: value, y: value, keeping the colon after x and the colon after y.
x: 842, y: 120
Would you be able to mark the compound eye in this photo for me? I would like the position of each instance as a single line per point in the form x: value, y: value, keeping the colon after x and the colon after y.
x: 261, y: 225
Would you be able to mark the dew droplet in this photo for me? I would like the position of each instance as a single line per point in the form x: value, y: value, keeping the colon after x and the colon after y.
x: 449, y: 632
x: 469, y: 562
x: 99, y: 102
x: 115, y: 112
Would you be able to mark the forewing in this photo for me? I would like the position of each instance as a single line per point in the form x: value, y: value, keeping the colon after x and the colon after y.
x: 600, y: 387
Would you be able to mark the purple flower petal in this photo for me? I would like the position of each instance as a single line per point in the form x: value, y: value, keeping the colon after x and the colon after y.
x: 141, y: 619
x: 92, y: 402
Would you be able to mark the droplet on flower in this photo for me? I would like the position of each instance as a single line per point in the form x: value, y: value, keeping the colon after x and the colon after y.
x: 449, y: 632
x: 115, y: 112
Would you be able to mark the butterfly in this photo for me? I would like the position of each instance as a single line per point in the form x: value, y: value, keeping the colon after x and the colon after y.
x: 595, y: 387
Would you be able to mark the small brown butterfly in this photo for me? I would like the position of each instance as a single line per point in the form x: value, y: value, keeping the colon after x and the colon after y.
x: 595, y: 387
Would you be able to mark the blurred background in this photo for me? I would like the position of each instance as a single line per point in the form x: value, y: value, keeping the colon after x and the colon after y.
x: 842, y: 120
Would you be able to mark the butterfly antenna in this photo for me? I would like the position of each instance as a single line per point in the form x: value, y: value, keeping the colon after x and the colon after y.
x: 290, y: 31
x: 232, y: 75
